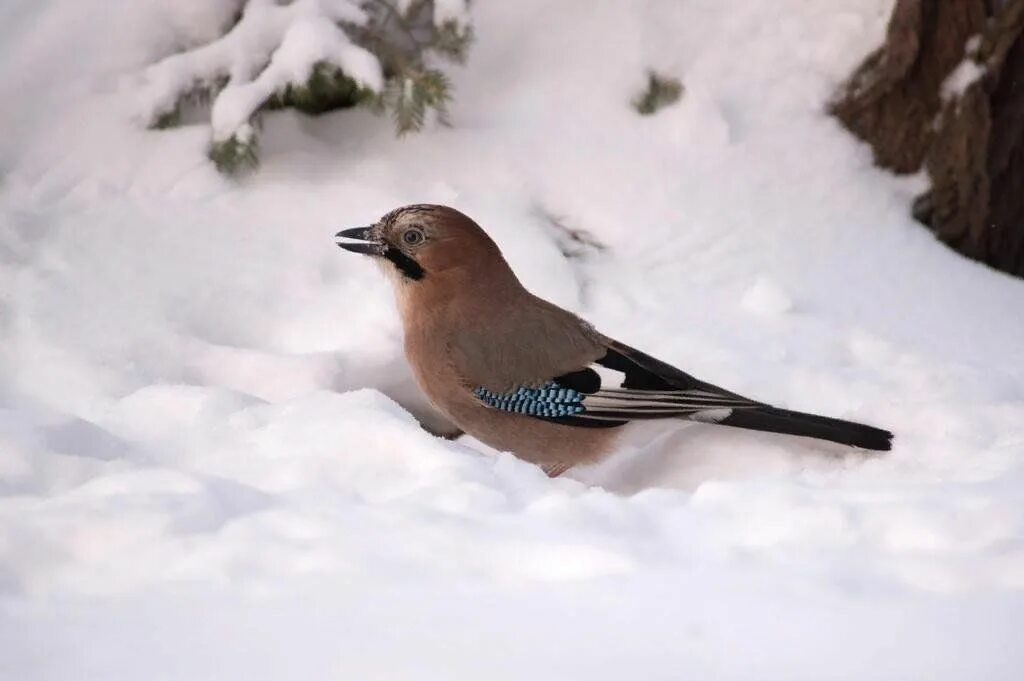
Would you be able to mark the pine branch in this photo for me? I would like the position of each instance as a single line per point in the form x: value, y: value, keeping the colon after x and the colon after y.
x: 367, y: 52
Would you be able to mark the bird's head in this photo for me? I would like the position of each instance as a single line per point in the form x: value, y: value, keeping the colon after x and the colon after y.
x: 424, y: 244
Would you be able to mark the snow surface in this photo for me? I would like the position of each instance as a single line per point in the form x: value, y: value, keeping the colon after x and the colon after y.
x: 209, y: 462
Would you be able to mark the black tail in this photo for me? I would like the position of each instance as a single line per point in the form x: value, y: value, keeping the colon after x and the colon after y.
x: 772, y: 420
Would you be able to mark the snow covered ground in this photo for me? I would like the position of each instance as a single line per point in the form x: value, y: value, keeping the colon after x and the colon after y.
x: 208, y: 464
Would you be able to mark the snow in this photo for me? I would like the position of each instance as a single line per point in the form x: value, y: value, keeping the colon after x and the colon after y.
x: 966, y: 74
x: 291, y: 37
x: 765, y: 298
x: 210, y: 465
x: 444, y: 10
x: 306, y: 42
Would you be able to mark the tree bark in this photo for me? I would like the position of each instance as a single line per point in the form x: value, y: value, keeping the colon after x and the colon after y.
x: 946, y: 93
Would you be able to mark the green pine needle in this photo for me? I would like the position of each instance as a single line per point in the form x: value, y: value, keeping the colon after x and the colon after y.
x: 452, y: 41
x: 411, y: 96
x: 237, y: 154
x: 661, y: 91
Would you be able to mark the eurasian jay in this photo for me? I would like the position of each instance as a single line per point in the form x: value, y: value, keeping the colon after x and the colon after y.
x: 525, y: 376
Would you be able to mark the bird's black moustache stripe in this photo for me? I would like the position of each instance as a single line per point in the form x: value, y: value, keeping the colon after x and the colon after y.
x: 406, y: 265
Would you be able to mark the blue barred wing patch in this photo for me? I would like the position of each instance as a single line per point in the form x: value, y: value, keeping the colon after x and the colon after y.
x: 549, y: 400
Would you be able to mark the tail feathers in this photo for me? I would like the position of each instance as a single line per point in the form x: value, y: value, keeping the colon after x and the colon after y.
x: 772, y: 420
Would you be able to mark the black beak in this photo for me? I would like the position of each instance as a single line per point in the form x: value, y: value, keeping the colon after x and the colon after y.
x: 365, y: 243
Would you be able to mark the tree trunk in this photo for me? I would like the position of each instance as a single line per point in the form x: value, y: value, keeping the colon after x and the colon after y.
x: 946, y: 92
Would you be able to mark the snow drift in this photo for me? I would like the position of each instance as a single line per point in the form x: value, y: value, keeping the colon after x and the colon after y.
x: 210, y: 465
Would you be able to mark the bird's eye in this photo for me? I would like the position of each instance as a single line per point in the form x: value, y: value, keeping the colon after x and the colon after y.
x: 413, y: 236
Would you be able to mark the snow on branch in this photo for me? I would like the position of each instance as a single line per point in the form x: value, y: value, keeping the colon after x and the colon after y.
x: 313, y: 55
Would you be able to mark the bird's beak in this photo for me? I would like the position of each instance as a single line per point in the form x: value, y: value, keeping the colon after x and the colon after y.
x: 364, y: 242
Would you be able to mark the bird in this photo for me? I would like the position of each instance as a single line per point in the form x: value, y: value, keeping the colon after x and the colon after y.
x: 525, y: 376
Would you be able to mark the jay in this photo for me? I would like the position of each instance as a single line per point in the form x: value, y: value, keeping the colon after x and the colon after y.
x: 525, y: 376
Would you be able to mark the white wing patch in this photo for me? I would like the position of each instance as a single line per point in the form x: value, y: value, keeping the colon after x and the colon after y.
x: 613, y: 402
x: 711, y: 415
x: 610, y: 378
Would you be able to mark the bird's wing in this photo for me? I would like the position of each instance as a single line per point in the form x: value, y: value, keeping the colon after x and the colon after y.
x: 527, y: 345
x: 622, y: 385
